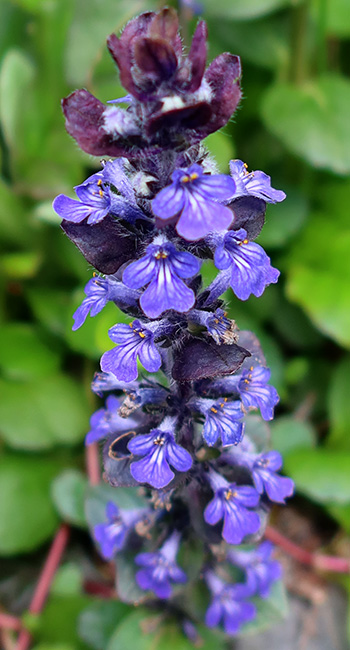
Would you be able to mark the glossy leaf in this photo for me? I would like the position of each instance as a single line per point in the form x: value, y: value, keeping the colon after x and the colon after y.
x: 27, y: 515
x: 311, y: 120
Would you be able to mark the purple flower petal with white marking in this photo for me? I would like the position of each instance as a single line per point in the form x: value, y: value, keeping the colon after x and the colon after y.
x: 162, y: 269
x: 232, y: 503
x: 160, y: 452
x: 196, y: 196
x: 107, y: 420
x: 251, y: 268
x: 134, y: 340
x: 222, y: 329
x: 260, y: 568
x: 112, y: 535
x: 228, y: 605
x: 160, y: 569
x: 255, y: 392
x: 254, y: 183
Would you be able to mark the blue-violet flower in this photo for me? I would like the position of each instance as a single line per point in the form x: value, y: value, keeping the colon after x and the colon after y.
x: 160, y: 569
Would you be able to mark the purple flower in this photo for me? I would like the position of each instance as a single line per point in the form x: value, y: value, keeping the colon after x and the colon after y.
x: 93, y: 202
x: 134, y: 340
x: 261, y: 570
x: 251, y: 271
x: 162, y: 268
x: 98, y: 292
x: 96, y: 199
x: 160, y: 452
x: 112, y: 535
x: 231, y: 503
x: 160, y: 568
x: 255, y: 183
x: 255, y: 391
x: 228, y: 605
x: 264, y: 468
x: 104, y: 382
x: 222, y: 329
x: 223, y: 420
x: 107, y: 420
x: 196, y: 196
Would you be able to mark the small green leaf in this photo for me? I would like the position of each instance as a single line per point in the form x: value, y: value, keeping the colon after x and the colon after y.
x: 97, y: 622
x: 68, y: 580
x: 41, y: 413
x: 269, y: 611
x: 59, y: 620
x: 68, y: 494
x: 339, y: 406
x: 284, y: 220
x: 312, y: 120
x: 287, y: 433
x: 321, y: 474
x: 27, y: 515
x: 146, y: 632
x: 23, y: 353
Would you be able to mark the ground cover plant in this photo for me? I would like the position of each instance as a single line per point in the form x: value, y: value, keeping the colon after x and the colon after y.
x: 204, y: 461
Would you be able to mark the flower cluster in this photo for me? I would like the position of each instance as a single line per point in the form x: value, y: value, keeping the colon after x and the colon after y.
x: 145, y: 221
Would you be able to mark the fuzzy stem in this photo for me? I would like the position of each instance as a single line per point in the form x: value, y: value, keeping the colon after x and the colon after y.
x: 315, y: 560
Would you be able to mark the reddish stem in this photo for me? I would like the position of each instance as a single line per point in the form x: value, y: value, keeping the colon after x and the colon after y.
x: 93, y: 464
x: 316, y: 560
x: 9, y: 622
x: 44, y: 583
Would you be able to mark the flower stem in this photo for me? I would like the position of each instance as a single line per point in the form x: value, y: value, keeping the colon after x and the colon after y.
x: 44, y: 583
x: 315, y: 560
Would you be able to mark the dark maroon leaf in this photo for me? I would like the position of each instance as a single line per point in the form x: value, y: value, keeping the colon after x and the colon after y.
x: 200, y: 359
x: 155, y: 58
x: 223, y: 76
x: 84, y: 122
x: 106, y: 245
x: 197, y: 57
x: 249, y: 214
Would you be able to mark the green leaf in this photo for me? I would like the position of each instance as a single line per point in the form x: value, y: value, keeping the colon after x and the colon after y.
x: 269, y: 611
x: 27, y: 515
x: 20, y: 266
x: 321, y: 474
x: 90, y: 27
x: 97, y: 497
x: 341, y: 514
x: 261, y: 42
x: 319, y: 273
x: 338, y: 18
x: 17, y: 75
x: 287, y: 434
x: 98, y: 621
x: 51, y: 307
x: 312, y: 120
x: 68, y: 580
x: 68, y: 494
x: 23, y: 353
x: 220, y: 145
x: 59, y: 620
x: 339, y: 406
x: 145, y: 632
x: 14, y: 226
x: 41, y: 413
x: 247, y: 10
x: 284, y: 220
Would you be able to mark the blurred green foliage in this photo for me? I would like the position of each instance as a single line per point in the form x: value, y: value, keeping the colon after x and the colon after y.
x: 294, y: 124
